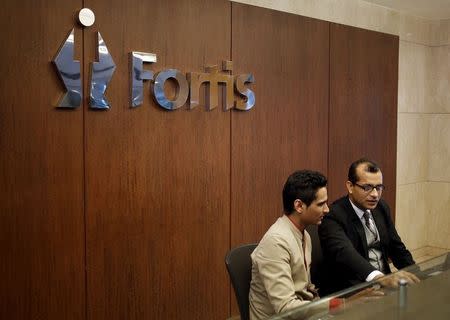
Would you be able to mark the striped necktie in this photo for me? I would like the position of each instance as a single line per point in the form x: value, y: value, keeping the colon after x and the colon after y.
x: 370, y: 224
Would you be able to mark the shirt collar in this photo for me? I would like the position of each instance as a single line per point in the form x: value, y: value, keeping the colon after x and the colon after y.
x: 294, y: 226
x: 359, y: 212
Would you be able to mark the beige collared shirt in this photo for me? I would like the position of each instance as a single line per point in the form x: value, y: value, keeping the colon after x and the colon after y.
x: 280, y: 278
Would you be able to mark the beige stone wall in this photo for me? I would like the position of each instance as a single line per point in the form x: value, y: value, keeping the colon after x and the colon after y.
x: 423, y: 172
x: 423, y: 150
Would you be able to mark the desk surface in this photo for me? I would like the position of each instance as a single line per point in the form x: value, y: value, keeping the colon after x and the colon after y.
x: 429, y: 299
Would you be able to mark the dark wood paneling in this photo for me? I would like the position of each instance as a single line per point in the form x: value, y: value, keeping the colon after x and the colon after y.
x: 287, y: 130
x: 158, y: 185
x: 363, y: 104
x: 167, y: 193
x: 41, y: 168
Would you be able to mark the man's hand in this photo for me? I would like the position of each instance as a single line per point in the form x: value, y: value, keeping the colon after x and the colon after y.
x: 391, y: 280
x: 369, y: 294
x: 366, y: 294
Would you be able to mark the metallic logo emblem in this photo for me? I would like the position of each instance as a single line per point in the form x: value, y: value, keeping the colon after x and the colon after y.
x: 101, y: 73
x: 188, y: 86
x: 69, y: 70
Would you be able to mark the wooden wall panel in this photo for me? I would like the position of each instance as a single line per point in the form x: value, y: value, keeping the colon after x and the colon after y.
x: 141, y: 205
x: 158, y: 185
x: 288, y: 128
x: 41, y: 168
x: 363, y: 104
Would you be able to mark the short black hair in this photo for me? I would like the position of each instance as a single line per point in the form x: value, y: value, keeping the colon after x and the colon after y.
x: 303, y: 185
x: 370, y: 166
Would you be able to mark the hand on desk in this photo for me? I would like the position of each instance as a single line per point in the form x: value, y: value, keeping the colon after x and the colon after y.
x: 373, y: 293
x: 391, y: 280
x: 367, y: 293
x: 338, y: 305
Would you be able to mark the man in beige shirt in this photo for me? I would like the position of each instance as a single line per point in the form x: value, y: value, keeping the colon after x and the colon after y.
x: 281, y: 262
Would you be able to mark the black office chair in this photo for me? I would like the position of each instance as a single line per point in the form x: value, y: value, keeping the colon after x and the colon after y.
x: 318, y: 268
x: 239, y: 266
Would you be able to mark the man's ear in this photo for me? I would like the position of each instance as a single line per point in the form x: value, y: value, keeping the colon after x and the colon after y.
x: 298, y: 205
x: 349, y: 186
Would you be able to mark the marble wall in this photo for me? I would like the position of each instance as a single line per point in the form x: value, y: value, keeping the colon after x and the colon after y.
x: 423, y: 150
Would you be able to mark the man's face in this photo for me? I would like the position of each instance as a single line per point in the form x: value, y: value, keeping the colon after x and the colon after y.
x: 366, y: 199
x: 314, y: 213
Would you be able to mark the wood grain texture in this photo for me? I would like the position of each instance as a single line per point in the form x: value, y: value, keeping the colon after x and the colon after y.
x: 128, y: 213
x: 41, y: 168
x: 158, y: 182
x: 363, y: 105
x: 287, y: 130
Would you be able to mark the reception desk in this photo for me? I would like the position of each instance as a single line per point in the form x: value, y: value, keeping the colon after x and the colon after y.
x: 428, y: 299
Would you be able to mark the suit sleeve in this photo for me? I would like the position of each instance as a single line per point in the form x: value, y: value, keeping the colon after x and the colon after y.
x: 397, y: 251
x: 338, y: 248
x: 273, y: 263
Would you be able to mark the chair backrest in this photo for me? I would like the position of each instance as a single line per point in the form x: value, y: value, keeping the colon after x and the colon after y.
x: 318, y: 270
x: 239, y: 266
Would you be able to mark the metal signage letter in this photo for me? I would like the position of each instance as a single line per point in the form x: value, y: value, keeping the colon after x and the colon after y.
x: 249, y: 95
x: 138, y: 75
x: 182, y: 92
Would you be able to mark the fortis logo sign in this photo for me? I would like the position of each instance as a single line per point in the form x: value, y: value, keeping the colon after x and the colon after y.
x: 237, y: 94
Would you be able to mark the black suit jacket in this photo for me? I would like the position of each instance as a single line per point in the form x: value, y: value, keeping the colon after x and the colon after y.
x: 344, y: 245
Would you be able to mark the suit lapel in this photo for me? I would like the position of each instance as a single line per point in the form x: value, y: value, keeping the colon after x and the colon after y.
x: 356, y: 223
x: 378, y: 218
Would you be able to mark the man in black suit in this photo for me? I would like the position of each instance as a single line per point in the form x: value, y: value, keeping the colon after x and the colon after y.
x: 358, y: 236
